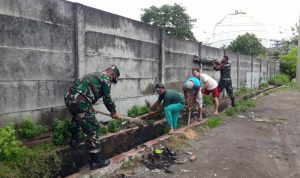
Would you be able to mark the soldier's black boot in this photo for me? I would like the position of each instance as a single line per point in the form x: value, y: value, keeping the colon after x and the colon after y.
x: 232, y: 102
x: 75, y: 141
x: 98, y: 161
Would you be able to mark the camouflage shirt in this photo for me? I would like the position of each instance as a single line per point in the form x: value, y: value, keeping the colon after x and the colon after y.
x: 225, y: 70
x: 95, y: 86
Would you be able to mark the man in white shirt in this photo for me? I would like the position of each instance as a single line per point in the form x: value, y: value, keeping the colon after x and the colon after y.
x: 210, y: 85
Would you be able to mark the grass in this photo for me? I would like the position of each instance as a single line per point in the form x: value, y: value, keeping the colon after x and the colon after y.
x: 243, y: 91
x: 136, y: 161
x: 213, y: 122
x: 286, y: 88
x: 38, y: 161
x: 241, y: 106
x: 175, y: 142
x: 280, y: 79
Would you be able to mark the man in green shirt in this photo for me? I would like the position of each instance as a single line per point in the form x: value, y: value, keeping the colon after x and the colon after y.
x: 80, y: 99
x: 172, y: 104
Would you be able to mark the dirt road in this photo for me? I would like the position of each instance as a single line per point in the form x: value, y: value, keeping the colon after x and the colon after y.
x: 263, y: 142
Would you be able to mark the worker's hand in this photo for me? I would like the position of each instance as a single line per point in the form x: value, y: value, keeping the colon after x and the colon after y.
x: 114, y: 115
x: 202, y: 90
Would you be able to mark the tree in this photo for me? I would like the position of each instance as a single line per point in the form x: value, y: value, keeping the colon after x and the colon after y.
x: 173, y: 17
x: 288, y: 63
x: 288, y: 51
x: 247, y: 44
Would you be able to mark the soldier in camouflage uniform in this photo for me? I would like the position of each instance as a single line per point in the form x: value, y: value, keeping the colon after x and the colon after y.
x: 80, y: 100
x: 225, y: 80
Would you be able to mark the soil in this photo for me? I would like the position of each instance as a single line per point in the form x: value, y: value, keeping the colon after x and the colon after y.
x: 262, y: 142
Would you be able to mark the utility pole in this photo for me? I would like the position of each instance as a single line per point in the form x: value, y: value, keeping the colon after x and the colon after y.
x: 298, y: 57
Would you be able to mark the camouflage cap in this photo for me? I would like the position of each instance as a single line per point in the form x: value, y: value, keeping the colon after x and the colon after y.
x: 115, y: 70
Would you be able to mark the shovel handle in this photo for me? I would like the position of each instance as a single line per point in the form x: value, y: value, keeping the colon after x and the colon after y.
x: 124, y: 118
x: 189, y: 119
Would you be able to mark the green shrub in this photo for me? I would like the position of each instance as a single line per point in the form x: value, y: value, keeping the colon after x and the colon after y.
x: 29, y: 130
x: 114, y: 126
x: 281, y: 79
x: 61, y: 131
x: 9, y: 146
x: 213, y: 122
x: 136, y: 111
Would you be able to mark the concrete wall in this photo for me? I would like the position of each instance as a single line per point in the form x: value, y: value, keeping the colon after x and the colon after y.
x: 46, y: 44
x: 131, y: 45
x: 37, y: 57
x: 178, y: 61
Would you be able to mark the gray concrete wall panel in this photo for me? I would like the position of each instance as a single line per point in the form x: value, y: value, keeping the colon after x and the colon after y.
x: 175, y: 45
x: 129, y: 68
x: 22, y: 33
x: 112, y: 24
x: 20, y: 64
x: 179, y: 60
x: 49, y: 11
x: 128, y: 88
x: 31, y: 95
x: 211, y: 52
x: 110, y: 45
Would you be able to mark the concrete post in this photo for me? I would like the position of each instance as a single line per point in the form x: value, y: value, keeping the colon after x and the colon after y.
x: 238, y: 71
x: 260, y: 72
x: 298, y: 57
x: 162, y: 55
x: 252, y: 63
x: 199, y: 55
x: 268, y: 76
x: 79, y: 40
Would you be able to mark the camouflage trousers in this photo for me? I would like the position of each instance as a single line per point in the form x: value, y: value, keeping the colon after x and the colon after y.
x: 227, y: 84
x: 84, y: 118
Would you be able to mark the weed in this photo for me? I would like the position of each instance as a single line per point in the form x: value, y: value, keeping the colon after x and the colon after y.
x: 213, y: 122
x: 281, y: 79
x: 29, y: 130
x: 61, y: 131
x: 175, y: 142
x: 263, y: 85
x: 243, y: 91
x: 9, y: 146
x: 136, y: 111
x: 230, y: 111
x: 132, y: 163
x: 39, y: 161
x: 102, y: 131
x: 114, y: 126
x: 241, y: 106
x: 207, y: 100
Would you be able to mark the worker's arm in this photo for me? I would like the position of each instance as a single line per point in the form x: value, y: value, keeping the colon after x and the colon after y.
x: 186, y: 98
x: 155, y: 105
x: 218, y: 66
x: 109, y: 104
x: 196, y: 94
x: 204, y: 86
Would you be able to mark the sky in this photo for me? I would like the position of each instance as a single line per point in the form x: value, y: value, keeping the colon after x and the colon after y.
x: 277, y: 16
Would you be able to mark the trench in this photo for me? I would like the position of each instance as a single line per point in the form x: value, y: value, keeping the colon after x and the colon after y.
x: 74, y: 159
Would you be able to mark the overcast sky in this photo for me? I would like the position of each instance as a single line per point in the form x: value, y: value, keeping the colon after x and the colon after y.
x: 277, y: 16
